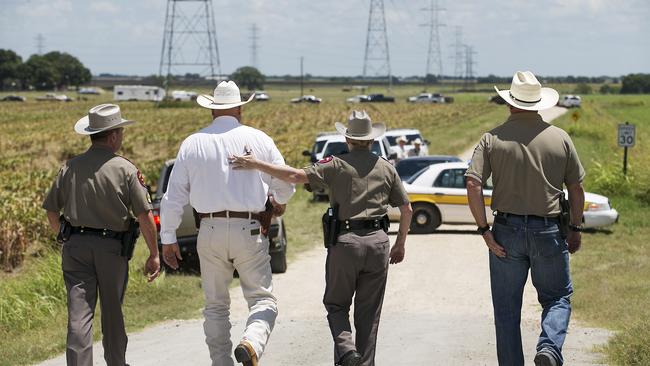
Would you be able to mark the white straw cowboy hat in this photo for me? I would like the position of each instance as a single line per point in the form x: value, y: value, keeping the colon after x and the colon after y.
x: 101, y: 118
x: 226, y: 96
x: 527, y: 93
x: 417, y: 142
x: 401, y: 138
x: 360, y: 127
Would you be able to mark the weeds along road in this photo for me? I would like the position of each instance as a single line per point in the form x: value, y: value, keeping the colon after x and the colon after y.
x: 437, y: 311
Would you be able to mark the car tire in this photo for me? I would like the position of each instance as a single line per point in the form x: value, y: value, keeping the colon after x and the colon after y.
x: 279, y: 259
x: 426, y: 218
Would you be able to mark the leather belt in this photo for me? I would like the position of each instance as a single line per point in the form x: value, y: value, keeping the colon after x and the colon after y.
x: 232, y: 214
x: 349, y: 225
x: 505, y: 215
x: 103, y: 233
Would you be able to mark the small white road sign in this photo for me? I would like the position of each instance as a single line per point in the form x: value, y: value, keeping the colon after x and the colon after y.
x: 626, y: 135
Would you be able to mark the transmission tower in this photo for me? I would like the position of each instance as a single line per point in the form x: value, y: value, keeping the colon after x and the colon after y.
x: 434, y: 55
x: 254, y: 37
x: 40, y: 44
x: 377, y: 60
x: 459, y: 53
x: 189, y: 40
x: 469, y: 63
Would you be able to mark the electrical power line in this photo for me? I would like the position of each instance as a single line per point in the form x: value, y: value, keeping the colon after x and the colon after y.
x: 254, y: 38
x: 434, y: 54
x: 376, y: 61
x: 40, y: 44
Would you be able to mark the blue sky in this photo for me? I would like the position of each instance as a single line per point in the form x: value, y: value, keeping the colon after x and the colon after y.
x: 549, y: 37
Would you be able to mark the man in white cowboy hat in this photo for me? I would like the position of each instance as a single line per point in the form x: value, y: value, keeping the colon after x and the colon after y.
x: 97, y: 192
x: 402, y: 153
x: 362, y: 186
x: 529, y: 161
x: 229, y: 204
x: 417, y: 148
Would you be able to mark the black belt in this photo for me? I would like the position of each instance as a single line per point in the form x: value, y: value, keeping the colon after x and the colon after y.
x: 505, y: 215
x: 350, y: 225
x: 103, y: 233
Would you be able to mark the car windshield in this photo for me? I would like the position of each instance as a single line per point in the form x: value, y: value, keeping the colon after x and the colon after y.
x: 392, y: 140
x: 407, y: 168
x: 318, y: 146
x: 416, y: 175
x: 338, y: 148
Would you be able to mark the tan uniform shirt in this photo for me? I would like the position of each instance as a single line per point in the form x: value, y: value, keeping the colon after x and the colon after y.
x: 98, y: 189
x: 361, y: 183
x: 529, y: 160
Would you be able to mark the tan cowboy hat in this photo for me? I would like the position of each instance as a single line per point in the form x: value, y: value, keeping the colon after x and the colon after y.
x: 401, y: 138
x: 417, y: 141
x: 226, y: 96
x: 101, y: 118
x: 360, y: 127
x: 527, y: 93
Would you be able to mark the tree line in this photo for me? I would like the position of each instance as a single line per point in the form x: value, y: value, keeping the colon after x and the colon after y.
x: 53, y: 70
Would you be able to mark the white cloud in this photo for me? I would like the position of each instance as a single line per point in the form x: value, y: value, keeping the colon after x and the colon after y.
x: 104, y: 7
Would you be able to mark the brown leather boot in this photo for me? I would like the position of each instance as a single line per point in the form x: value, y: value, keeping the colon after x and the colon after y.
x: 245, y: 354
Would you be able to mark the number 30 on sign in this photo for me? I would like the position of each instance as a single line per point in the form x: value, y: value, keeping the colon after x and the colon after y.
x: 626, y: 135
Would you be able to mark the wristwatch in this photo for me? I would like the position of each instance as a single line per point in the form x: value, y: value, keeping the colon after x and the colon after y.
x: 483, y: 230
x: 576, y: 228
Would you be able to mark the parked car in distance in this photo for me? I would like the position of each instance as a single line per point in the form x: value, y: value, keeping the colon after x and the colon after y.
x: 183, y: 96
x: 13, y: 98
x: 438, y: 196
x: 138, y: 93
x: 570, y: 101
x: 411, y: 135
x: 261, y: 96
x: 357, y: 98
x: 90, y: 91
x: 187, y: 232
x: 306, y: 99
x: 427, y: 98
x: 333, y: 143
x: 497, y: 99
x: 410, y: 167
x: 377, y: 98
x: 51, y: 97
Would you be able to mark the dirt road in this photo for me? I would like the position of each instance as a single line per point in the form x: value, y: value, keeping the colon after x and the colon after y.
x: 437, y: 311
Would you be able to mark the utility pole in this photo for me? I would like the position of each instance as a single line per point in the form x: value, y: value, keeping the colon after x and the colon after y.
x: 189, y: 40
x: 459, y: 62
x: 434, y: 55
x: 376, y: 61
x: 254, y: 37
x: 469, y: 64
x: 301, y: 77
x: 40, y: 44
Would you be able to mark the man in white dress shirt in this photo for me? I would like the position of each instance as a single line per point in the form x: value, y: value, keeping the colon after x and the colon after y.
x: 229, y: 203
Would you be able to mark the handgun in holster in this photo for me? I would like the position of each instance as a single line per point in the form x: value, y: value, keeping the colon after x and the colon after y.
x: 265, y: 218
x: 331, y: 226
x: 129, y: 238
x: 565, y: 216
x: 65, y: 230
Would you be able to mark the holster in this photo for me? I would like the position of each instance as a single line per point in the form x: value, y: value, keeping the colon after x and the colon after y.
x: 565, y: 216
x: 265, y: 218
x: 65, y: 230
x: 331, y: 226
x: 129, y: 238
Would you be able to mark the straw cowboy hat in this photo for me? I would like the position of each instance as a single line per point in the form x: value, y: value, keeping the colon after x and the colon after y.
x: 417, y: 142
x: 402, y: 139
x: 226, y: 96
x: 101, y: 118
x: 360, y: 127
x: 527, y: 93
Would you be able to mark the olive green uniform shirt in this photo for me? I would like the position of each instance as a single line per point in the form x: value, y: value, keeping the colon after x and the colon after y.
x: 98, y: 189
x: 362, y: 184
x: 529, y: 161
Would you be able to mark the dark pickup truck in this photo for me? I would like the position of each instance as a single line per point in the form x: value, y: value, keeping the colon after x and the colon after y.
x: 377, y: 98
x: 187, y: 232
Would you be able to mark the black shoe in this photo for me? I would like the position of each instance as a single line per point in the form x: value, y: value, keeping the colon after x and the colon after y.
x: 351, y: 358
x: 545, y: 358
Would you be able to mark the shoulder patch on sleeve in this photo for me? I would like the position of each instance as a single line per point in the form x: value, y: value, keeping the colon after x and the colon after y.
x: 326, y: 160
x: 141, y: 179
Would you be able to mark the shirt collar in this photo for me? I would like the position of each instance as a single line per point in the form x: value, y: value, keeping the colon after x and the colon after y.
x: 226, y: 121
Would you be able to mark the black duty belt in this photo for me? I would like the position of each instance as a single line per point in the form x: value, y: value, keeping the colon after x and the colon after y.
x: 505, y: 215
x: 350, y: 225
x: 103, y: 233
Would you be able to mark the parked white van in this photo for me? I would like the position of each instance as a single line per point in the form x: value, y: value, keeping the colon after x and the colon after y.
x: 138, y: 92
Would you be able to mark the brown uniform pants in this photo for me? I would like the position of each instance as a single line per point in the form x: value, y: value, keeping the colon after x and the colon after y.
x: 356, y: 266
x: 91, y: 263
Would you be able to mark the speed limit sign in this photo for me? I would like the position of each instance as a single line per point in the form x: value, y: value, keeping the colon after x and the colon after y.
x: 626, y: 135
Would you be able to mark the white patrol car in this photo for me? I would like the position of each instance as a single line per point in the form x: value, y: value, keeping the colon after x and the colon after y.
x: 438, y: 196
x: 411, y: 134
x: 570, y: 101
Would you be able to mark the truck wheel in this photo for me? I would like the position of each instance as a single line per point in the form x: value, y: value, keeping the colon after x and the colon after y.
x: 279, y: 259
x: 426, y: 218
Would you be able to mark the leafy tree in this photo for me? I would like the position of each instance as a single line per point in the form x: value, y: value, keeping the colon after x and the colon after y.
x: 38, y: 72
x: 70, y: 71
x: 431, y: 79
x: 636, y: 84
x: 248, y: 77
x: 9, y: 64
x: 606, y: 89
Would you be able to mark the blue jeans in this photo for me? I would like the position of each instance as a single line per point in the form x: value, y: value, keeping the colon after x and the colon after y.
x: 535, y: 243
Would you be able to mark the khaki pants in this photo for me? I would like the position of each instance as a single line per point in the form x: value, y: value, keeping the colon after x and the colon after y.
x: 91, y: 263
x: 225, y: 245
x: 356, y: 266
